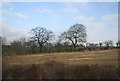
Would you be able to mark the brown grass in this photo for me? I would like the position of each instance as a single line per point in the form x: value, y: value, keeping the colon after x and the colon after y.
x: 57, y: 70
x: 67, y: 65
x: 109, y: 57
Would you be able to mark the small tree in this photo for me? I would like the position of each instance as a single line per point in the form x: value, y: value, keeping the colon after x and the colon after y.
x: 118, y: 44
x: 76, y: 34
x: 108, y: 43
x: 41, y: 36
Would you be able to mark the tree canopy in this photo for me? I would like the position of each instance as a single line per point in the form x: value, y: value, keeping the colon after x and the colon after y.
x: 76, y: 34
x: 41, y: 35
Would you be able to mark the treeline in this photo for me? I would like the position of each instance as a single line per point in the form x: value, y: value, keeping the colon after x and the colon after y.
x: 41, y: 41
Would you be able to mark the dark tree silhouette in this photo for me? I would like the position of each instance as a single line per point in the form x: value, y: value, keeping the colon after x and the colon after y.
x: 41, y: 36
x: 100, y: 44
x: 118, y: 44
x: 108, y: 43
x: 76, y: 34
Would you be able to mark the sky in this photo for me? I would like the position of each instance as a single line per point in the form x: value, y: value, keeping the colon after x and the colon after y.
x: 99, y: 18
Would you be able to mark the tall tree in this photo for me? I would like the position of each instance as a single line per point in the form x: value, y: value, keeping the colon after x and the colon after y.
x: 41, y: 36
x: 76, y: 34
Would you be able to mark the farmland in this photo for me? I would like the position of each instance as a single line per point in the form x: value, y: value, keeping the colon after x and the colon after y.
x: 59, y: 40
x: 109, y: 58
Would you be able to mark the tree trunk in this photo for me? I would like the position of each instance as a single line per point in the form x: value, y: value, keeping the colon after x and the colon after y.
x: 74, y: 46
x: 40, y: 47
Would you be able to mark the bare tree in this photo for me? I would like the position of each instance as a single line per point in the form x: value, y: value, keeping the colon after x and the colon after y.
x: 118, y: 44
x: 76, y: 34
x: 108, y: 43
x: 41, y: 36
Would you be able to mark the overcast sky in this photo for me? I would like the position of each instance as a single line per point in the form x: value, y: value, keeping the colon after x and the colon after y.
x: 100, y: 18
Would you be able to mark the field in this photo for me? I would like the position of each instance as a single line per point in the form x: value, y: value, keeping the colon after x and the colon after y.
x: 97, y: 63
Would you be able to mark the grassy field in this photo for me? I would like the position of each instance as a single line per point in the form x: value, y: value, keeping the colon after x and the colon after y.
x: 68, y: 61
x: 92, y: 57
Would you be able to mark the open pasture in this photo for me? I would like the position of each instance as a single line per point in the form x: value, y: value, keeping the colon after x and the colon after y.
x: 109, y: 57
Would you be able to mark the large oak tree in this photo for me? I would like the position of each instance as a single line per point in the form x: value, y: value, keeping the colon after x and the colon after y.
x: 41, y: 36
x: 76, y: 34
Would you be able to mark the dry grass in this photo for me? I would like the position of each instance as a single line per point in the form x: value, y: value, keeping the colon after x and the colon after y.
x: 93, y: 57
x: 67, y: 65
x: 57, y: 70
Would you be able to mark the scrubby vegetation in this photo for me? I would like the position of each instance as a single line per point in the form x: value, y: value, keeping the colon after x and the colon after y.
x: 42, y: 40
x: 74, y: 65
x: 57, y: 70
